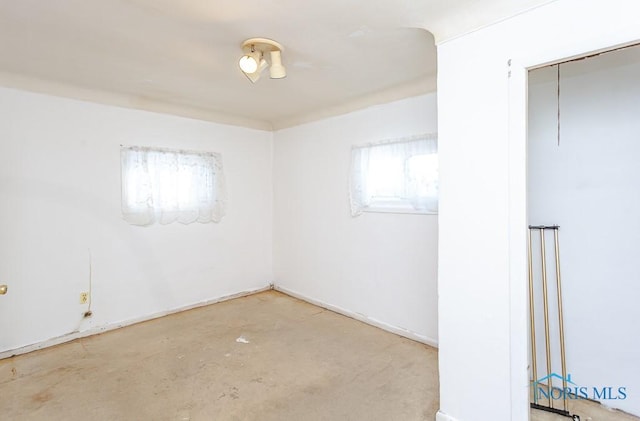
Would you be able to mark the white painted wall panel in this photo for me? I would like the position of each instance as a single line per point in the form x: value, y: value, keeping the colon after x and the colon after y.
x: 379, y: 265
x: 482, y: 302
x: 60, y: 198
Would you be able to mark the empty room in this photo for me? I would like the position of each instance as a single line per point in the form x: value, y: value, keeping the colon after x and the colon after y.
x: 316, y: 210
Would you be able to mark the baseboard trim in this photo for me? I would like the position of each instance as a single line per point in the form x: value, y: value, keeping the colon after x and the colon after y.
x: 441, y: 416
x: 361, y: 317
x: 106, y: 328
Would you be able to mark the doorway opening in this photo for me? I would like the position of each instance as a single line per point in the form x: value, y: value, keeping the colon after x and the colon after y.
x: 583, y: 175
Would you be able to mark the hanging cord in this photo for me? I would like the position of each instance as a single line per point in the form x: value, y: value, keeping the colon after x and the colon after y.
x: 88, y: 313
x: 558, y: 102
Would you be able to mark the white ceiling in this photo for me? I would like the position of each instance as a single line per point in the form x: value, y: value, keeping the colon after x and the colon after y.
x: 181, y: 56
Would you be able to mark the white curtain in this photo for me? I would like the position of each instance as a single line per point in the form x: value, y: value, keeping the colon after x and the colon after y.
x: 164, y: 186
x: 398, y: 175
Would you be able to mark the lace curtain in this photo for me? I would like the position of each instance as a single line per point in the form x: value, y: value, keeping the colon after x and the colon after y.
x: 164, y: 186
x: 395, y: 176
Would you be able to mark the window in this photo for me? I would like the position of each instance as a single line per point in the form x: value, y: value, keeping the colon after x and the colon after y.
x: 395, y: 176
x: 164, y: 186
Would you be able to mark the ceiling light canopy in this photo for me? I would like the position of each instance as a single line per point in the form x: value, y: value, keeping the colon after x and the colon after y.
x: 254, y: 60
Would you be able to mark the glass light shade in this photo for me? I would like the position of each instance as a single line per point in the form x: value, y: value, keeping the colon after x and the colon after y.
x: 253, y: 77
x: 248, y: 64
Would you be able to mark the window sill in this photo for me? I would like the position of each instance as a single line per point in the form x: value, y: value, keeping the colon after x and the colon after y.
x: 399, y: 210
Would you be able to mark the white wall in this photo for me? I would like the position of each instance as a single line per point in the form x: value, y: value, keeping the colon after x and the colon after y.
x: 60, y: 189
x: 482, y: 254
x: 380, y: 266
x: 589, y: 186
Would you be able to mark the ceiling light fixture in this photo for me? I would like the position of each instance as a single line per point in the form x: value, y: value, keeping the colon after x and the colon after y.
x: 253, y: 62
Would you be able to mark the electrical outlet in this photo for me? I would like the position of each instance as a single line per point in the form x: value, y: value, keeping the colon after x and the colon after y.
x: 84, y: 297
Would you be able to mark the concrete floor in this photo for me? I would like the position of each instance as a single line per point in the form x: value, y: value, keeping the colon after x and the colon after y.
x: 263, y: 357
x: 300, y: 363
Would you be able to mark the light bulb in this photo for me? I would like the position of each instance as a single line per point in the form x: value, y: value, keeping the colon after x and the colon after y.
x: 248, y: 64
